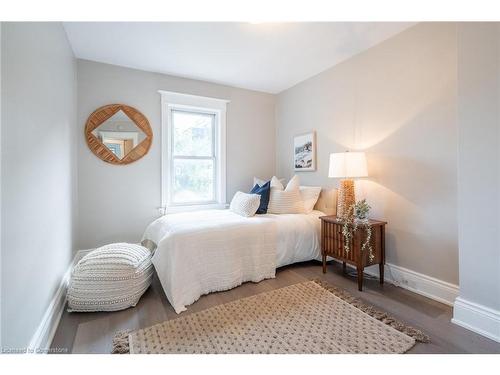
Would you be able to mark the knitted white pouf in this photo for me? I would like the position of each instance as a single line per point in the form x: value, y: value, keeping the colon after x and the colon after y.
x: 110, y: 278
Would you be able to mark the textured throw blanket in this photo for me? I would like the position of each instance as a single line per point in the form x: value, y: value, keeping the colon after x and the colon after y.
x: 208, y: 251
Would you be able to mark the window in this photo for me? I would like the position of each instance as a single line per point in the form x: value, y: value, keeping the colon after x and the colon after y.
x: 193, y: 152
x: 193, y: 157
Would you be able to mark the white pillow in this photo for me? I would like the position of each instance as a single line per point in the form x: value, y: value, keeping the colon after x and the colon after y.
x: 293, y: 184
x: 245, y: 204
x: 285, y: 201
x: 260, y: 182
x: 277, y: 183
x: 310, y: 195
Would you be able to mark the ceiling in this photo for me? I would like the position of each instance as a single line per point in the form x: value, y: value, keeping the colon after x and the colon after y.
x: 269, y: 57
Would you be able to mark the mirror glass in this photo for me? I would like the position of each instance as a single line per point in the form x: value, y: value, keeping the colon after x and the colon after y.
x: 119, y: 134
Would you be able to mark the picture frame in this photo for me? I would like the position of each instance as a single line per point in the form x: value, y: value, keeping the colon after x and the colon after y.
x: 304, y: 152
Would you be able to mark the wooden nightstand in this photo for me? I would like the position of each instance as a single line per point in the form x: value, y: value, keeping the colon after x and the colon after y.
x: 332, y: 244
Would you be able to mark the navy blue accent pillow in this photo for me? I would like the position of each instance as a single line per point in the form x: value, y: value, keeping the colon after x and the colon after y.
x: 264, y: 191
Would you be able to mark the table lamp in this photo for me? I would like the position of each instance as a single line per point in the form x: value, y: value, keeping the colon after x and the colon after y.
x: 346, y: 165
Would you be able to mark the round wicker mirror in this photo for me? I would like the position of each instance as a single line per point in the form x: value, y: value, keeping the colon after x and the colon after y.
x: 118, y: 134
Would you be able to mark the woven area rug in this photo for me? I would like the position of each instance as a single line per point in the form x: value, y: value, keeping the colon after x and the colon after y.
x: 310, y: 317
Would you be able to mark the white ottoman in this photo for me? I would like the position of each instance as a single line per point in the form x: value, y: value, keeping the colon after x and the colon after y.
x: 110, y: 278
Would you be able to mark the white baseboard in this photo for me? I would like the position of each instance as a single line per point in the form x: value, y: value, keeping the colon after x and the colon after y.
x: 42, y: 339
x: 477, y: 318
x: 419, y: 283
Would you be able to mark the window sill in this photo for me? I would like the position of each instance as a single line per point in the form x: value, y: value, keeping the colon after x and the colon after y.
x: 197, y: 207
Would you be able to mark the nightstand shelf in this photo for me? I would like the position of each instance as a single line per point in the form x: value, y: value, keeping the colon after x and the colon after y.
x: 332, y: 245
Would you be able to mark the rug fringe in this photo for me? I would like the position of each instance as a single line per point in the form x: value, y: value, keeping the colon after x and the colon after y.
x: 121, y: 342
x: 375, y: 313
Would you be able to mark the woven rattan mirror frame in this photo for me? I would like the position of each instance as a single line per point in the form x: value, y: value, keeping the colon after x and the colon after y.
x: 100, y: 150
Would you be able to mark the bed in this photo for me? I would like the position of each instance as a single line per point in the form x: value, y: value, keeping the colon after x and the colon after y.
x: 214, y: 250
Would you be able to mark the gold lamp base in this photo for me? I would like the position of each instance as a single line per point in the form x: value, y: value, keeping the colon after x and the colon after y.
x: 345, y: 199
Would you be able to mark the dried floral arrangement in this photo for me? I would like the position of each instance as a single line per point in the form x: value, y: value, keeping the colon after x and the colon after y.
x: 357, y: 216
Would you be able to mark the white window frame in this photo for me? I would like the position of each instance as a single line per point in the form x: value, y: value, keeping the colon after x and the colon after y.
x: 186, y: 102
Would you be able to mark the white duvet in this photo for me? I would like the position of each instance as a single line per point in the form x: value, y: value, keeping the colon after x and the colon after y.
x: 214, y: 250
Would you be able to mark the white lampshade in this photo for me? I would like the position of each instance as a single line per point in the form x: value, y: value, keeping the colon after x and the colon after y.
x: 347, y: 165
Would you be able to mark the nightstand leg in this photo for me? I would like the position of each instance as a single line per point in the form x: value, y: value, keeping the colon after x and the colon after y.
x: 344, y: 267
x: 324, y: 263
x: 360, y: 278
x: 381, y: 272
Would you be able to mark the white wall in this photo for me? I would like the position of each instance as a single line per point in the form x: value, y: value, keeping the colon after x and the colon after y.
x: 38, y: 166
x: 478, y: 306
x: 116, y: 203
x: 396, y: 101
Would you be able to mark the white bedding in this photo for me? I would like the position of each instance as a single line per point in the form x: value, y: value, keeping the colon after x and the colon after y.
x: 298, y: 237
x: 214, y: 250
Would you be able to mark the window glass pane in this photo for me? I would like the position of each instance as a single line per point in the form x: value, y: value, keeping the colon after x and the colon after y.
x: 193, y: 133
x: 193, y: 181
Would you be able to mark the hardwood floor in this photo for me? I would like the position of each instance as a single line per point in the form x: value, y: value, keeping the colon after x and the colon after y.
x: 93, y: 332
